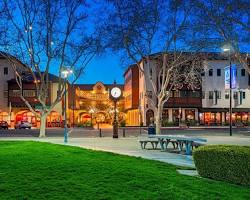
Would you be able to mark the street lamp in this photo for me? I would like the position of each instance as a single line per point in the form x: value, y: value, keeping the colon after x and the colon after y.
x: 65, y: 73
x: 228, y: 49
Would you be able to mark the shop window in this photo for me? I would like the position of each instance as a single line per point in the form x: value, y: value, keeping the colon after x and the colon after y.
x: 211, y: 95
x: 210, y: 72
x: 243, y: 72
x: 218, y: 72
x: 189, y: 114
x: 165, y: 114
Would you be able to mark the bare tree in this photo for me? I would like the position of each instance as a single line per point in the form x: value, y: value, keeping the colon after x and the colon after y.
x: 140, y: 28
x: 43, y: 35
x: 224, y: 22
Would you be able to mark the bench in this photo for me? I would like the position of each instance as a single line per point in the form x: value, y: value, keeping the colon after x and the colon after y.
x: 144, y: 142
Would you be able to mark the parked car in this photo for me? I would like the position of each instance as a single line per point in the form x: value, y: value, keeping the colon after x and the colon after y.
x: 23, y: 125
x: 4, y: 125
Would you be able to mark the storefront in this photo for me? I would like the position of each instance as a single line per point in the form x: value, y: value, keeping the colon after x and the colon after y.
x: 4, y: 116
x: 54, y: 119
x: 211, y: 118
x: 217, y: 117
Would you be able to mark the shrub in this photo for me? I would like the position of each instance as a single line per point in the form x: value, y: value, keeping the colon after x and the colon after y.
x: 228, y: 163
x: 166, y: 123
x: 123, y: 123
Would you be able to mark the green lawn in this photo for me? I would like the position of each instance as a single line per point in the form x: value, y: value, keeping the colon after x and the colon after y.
x: 33, y: 170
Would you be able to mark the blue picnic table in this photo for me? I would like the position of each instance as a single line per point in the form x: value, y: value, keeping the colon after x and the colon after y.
x: 180, y: 140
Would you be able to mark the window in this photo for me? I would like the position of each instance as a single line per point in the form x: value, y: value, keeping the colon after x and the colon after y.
x: 235, y: 95
x: 211, y: 95
x: 29, y: 93
x: 5, y: 94
x: 218, y: 72
x: 210, y: 72
x: 150, y: 73
x: 203, y: 73
x: 194, y: 94
x: 218, y: 94
x: 203, y: 95
x: 226, y: 95
x: 243, y: 95
x: 243, y: 72
x: 176, y: 93
x: 15, y: 93
x: 5, y: 71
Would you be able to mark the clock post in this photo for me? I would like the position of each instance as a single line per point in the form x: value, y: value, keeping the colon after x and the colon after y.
x: 115, y: 122
x: 115, y: 94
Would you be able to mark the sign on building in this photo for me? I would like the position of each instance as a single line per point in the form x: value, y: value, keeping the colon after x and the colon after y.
x: 227, y: 77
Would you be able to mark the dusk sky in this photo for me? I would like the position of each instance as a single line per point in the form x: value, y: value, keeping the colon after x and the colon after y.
x: 105, y: 69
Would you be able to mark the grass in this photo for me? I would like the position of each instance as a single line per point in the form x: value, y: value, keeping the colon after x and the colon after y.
x: 33, y: 170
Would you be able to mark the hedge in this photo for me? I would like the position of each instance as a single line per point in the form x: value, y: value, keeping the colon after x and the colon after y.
x: 228, y: 163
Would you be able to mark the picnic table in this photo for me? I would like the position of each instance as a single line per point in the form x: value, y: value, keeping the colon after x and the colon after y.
x: 181, y: 140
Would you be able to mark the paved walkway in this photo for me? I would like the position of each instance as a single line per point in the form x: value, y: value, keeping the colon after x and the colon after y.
x: 130, y: 146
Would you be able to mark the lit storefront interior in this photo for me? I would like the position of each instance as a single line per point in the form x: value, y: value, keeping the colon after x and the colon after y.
x: 54, y: 119
x: 222, y: 118
x: 133, y: 117
x: 4, y: 116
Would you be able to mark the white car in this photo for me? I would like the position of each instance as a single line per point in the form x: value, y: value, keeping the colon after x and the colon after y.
x: 23, y: 125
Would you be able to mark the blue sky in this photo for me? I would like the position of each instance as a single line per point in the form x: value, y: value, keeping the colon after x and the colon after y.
x: 105, y: 69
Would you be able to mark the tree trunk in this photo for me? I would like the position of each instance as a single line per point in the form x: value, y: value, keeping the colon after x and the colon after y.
x: 158, y: 120
x: 43, y: 126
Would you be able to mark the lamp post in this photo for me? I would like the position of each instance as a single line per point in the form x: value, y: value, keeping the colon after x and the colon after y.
x: 65, y: 74
x: 228, y: 49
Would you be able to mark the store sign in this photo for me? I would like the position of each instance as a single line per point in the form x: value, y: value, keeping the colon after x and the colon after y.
x: 227, y: 77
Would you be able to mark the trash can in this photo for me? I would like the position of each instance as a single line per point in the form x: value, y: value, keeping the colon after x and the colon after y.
x: 151, y: 130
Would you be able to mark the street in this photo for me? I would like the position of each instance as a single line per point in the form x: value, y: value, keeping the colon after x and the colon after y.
x: 129, y: 131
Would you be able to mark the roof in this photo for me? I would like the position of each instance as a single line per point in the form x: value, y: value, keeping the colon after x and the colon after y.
x: 203, y: 55
x: 129, y: 67
x: 29, y: 78
x: 90, y: 86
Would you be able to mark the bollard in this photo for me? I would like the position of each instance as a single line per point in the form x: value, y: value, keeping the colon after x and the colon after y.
x: 123, y: 132
x: 100, y: 132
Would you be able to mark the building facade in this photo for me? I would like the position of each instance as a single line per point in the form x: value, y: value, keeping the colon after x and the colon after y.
x: 91, y: 104
x: 182, y: 105
x: 86, y: 103
x: 208, y: 105
x: 215, y: 97
x: 131, y: 96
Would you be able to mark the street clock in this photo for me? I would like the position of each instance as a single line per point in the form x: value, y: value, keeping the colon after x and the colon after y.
x: 116, y: 92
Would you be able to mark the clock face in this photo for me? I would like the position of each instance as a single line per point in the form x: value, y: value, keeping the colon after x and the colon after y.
x: 116, y: 92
